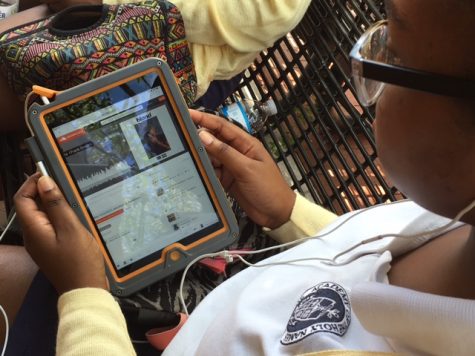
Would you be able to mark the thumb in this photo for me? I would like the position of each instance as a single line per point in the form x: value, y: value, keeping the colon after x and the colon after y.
x: 229, y: 157
x: 54, y: 203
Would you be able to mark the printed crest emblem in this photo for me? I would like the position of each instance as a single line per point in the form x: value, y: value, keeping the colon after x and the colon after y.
x: 323, y: 308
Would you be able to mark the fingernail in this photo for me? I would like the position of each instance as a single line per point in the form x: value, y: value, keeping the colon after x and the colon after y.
x: 46, y: 184
x: 206, y: 138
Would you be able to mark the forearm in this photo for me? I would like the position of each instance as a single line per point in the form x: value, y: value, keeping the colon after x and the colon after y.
x: 91, y: 323
x: 245, y: 25
x: 226, y: 36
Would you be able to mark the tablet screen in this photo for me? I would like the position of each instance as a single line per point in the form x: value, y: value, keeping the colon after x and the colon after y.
x: 133, y: 167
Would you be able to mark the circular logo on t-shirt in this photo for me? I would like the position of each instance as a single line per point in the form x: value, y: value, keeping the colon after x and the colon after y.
x: 323, y: 308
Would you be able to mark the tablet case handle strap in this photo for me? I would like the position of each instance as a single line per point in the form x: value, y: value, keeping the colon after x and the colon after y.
x: 42, y: 91
x: 161, y: 337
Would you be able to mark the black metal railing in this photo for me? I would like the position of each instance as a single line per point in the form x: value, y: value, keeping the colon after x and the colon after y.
x: 322, y: 137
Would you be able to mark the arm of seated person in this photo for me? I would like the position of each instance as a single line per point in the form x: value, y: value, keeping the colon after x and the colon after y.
x: 225, y: 36
x: 249, y: 174
x: 91, y: 323
x: 225, y: 39
x: 249, y: 27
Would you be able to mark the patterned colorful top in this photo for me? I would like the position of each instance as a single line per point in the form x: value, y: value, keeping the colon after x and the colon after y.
x: 48, y: 53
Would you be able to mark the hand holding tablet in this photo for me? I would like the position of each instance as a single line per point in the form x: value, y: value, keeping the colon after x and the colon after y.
x: 128, y: 159
x: 55, y: 238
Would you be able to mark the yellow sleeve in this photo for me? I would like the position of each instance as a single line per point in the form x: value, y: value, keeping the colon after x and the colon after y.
x: 244, y: 25
x: 225, y: 36
x: 91, y: 323
x: 306, y: 219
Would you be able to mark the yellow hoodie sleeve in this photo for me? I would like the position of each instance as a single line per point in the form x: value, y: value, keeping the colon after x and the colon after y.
x: 306, y: 219
x: 91, y: 323
x: 225, y: 36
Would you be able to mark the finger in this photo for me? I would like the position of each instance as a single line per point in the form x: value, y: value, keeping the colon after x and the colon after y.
x: 215, y: 162
x: 57, y: 208
x: 227, y: 180
x: 224, y: 130
x: 27, y: 209
x: 231, y: 159
x: 36, y: 227
x: 219, y: 173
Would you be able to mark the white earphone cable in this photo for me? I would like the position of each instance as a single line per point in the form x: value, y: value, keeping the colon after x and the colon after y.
x: 1, y: 308
x: 45, y: 101
x: 229, y: 255
x: 8, y: 226
x: 7, y: 326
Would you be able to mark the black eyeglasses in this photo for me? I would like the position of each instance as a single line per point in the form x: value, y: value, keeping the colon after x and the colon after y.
x: 373, y: 65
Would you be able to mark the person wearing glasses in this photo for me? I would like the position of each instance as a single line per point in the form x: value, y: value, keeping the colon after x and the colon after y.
x: 391, y: 279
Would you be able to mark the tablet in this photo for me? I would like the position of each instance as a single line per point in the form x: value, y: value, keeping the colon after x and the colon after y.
x: 127, y: 156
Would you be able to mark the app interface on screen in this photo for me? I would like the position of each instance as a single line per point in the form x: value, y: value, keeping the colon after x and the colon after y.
x: 132, y: 166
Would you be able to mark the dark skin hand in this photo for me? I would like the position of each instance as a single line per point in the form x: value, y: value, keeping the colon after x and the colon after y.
x: 69, y: 256
x: 246, y: 170
x: 55, y: 238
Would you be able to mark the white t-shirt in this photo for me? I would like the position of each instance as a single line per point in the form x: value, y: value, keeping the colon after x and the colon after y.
x: 306, y: 306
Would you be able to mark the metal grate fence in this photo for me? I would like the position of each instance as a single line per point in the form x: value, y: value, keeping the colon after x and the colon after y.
x: 322, y: 138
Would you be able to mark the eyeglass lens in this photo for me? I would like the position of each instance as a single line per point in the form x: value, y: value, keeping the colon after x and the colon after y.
x: 374, y: 49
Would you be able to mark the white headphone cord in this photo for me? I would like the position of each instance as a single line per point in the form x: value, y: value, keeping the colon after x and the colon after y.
x: 230, y: 255
x: 433, y: 232
x: 182, y: 281
x: 7, y: 326
x: 8, y: 226
x: 45, y: 101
